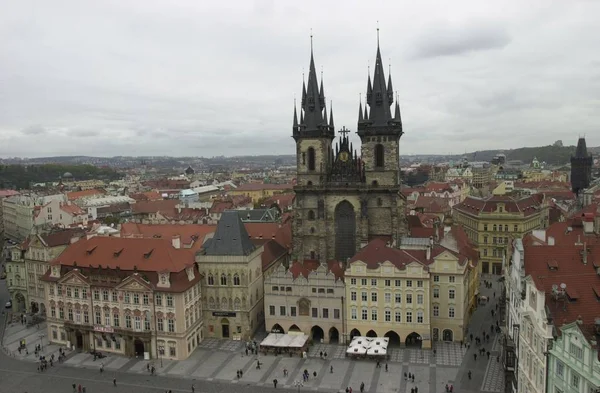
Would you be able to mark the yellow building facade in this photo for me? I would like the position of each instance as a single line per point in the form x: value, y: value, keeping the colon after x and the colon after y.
x: 417, y: 295
x: 491, y: 223
x: 258, y: 191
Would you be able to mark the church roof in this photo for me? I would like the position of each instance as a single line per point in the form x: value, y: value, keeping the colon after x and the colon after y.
x: 231, y: 237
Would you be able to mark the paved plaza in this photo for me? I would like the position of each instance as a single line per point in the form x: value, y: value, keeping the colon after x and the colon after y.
x: 217, y: 361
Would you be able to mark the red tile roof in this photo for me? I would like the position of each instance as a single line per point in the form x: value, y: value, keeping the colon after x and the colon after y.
x: 147, y: 196
x: 72, y: 209
x: 8, y: 193
x: 308, y: 266
x: 220, y: 206
x: 284, y: 201
x: 565, y: 233
x: 526, y: 206
x: 145, y: 254
x: 149, y: 207
x: 263, y: 186
x: 555, y: 265
x: 438, y: 187
x: 192, y: 235
x: 72, y: 196
x: 431, y: 204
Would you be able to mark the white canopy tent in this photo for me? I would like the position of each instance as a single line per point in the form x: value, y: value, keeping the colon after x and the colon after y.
x: 278, y: 340
x: 370, y: 346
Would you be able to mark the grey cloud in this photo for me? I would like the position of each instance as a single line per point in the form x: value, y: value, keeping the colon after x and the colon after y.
x: 34, y: 130
x: 446, y: 40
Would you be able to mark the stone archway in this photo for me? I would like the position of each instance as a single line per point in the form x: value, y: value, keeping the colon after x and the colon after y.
x: 448, y: 335
x: 294, y: 328
x: 371, y: 333
x: 138, y: 347
x: 317, y: 334
x: 334, y: 336
x: 414, y: 340
x: 277, y: 329
x: 354, y: 333
x: 34, y: 307
x: 345, y: 231
x: 394, y: 338
x: 19, y: 302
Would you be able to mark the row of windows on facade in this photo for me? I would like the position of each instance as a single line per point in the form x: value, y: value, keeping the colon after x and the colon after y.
x: 498, y: 227
x: 495, y: 253
x: 398, y: 314
x: 127, y: 297
x: 134, y: 323
x: 276, y: 288
x: 309, y: 157
x: 574, y: 378
x: 210, y: 279
x: 398, y: 283
x: 398, y: 296
x: 496, y: 240
x: 314, y: 312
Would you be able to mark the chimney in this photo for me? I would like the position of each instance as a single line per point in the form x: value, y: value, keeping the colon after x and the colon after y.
x: 584, y: 254
x: 579, y: 320
x: 428, y: 253
x: 588, y: 225
x: 550, y: 240
x: 176, y: 241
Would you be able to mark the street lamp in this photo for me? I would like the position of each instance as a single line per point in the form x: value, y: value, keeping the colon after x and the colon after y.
x: 298, y: 384
x: 41, y: 336
x: 161, y: 350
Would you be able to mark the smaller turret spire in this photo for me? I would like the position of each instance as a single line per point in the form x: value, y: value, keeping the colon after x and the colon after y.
x: 295, y: 116
x: 360, y: 111
x: 324, y: 114
x: 331, y: 115
x: 322, y: 92
x: 390, y: 89
x: 397, y: 111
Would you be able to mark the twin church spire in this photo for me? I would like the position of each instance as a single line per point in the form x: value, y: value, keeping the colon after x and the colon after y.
x: 313, y: 109
x: 376, y: 118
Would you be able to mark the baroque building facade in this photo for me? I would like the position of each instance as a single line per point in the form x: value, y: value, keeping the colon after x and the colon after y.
x: 344, y: 200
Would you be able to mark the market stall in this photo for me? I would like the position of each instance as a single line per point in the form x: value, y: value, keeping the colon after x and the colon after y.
x: 278, y: 343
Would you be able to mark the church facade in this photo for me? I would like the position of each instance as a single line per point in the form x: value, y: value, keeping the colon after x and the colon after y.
x: 345, y: 199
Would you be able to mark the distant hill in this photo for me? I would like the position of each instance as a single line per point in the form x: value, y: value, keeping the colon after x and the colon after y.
x: 551, y: 154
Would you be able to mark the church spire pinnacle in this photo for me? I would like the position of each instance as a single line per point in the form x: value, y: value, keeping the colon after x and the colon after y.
x: 331, y: 116
x: 360, y: 110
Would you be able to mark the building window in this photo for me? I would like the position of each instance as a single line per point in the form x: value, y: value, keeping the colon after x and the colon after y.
x: 388, y: 283
x: 388, y: 316
x: 116, y: 321
x: 364, y: 314
x: 409, y: 283
x: 326, y: 313
x: 353, y: 296
x: 409, y: 317
x: 436, y: 311
x: 336, y: 313
x: 436, y: 293
x: 96, y: 294
x: 70, y: 314
x: 419, y: 316
x: 379, y: 156
x: 76, y: 293
x: 115, y: 297
x: 210, y: 280
x: 105, y: 295
x: 363, y: 296
x: 161, y: 325
x: 451, y: 279
x: 106, y: 318
x: 128, y: 321
x: 353, y: 281
x: 419, y: 299
x: 169, y: 300
x: 158, y: 299
x: 398, y: 298
x: 575, y: 380
x: 373, y: 296
x: 223, y: 279
x: 236, y: 279
x: 146, y: 324
x: 576, y: 351
x: 436, y: 278
x: 53, y: 312
x: 485, y: 227
x: 560, y: 369
x: 311, y: 215
x: 409, y: 298
x: 271, y: 310
x: 451, y: 293
x: 145, y: 299
x: 282, y: 311
x: 388, y: 297
x: 495, y: 228
x: 373, y: 314
x: 398, y: 316
x: 419, y: 283
x: 353, y: 313
x: 127, y: 297
x: 315, y: 312
x: 293, y: 311
x: 450, y: 312
x: 374, y: 282
x: 136, y: 298
x: 363, y: 281
x: 311, y: 159
x: 172, y: 351
x: 397, y: 283
x: 516, y: 228
x: 98, y: 318
x: 86, y: 317
x: 171, y: 325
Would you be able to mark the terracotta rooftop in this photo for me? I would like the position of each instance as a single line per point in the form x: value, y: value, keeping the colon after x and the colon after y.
x: 192, y: 235
x: 308, y: 266
x: 431, y: 204
x: 144, y: 254
x: 263, y: 186
x: 526, y: 206
x: 72, y: 196
x: 8, y: 193
x: 72, y: 209
x: 149, y: 207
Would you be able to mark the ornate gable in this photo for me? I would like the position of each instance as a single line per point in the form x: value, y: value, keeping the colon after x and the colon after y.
x: 134, y: 283
x: 74, y: 277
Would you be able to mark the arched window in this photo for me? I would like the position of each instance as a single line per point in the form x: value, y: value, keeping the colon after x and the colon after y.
x: 311, y: 214
x: 237, y: 304
x: 379, y: 202
x: 313, y: 255
x: 236, y: 279
x: 495, y: 228
x: 379, y: 156
x: 309, y: 183
x: 210, y: 279
x: 311, y: 159
x: 223, y: 279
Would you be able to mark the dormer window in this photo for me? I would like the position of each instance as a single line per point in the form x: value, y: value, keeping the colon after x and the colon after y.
x: 163, y: 278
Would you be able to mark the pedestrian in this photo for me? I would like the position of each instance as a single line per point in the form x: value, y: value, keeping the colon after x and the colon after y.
x: 350, y: 389
x: 275, y: 383
x: 469, y: 374
x: 494, y: 295
x: 416, y: 389
x: 79, y: 388
x: 386, y: 367
x: 101, y: 368
x: 193, y: 388
x: 488, y: 354
x: 362, y: 387
x: 331, y: 369
x: 237, y: 373
x: 325, y: 354
x: 83, y: 389
x: 471, y: 336
x: 451, y: 388
x: 412, y: 390
x: 115, y: 382
x: 315, y: 375
x: 475, y: 357
x: 405, y: 376
x: 321, y: 354
x: 347, y: 389
x: 148, y: 366
x: 74, y: 388
x: 413, y: 378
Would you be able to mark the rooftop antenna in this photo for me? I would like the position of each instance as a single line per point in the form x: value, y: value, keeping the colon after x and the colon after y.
x: 377, y: 33
x: 311, y: 40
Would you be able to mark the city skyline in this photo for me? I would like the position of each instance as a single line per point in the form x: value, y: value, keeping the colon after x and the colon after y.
x: 189, y: 79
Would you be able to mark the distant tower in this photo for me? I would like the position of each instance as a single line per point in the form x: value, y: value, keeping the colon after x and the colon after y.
x: 581, y: 168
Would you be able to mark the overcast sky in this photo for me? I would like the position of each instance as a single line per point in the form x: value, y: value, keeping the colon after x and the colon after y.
x: 206, y: 78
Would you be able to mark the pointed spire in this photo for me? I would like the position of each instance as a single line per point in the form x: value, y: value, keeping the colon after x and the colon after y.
x: 369, y: 86
x: 313, y: 106
x: 366, y: 117
x: 322, y: 92
x: 324, y: 114
x: 331, y: 116
x: 303, y: 102
x: 379, y: 100
x: 360, y: 111
x: 390, y: 89
x: 295, y: 116
x: 581, y: 150
x: 397, y: 112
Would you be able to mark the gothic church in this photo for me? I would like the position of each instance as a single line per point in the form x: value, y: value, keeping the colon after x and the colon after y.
x: 343, y: 199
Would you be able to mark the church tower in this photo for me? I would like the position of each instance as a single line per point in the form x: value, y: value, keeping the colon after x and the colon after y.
x: 581, y: 167
x: 343, y: 200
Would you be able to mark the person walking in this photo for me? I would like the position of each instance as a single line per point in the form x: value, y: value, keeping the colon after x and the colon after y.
x: 475, y: 357
x: 469, y: 374
x: 362, y: 387
x: 194, y: 388
x: 115, y: 382
x: 275, y: 383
